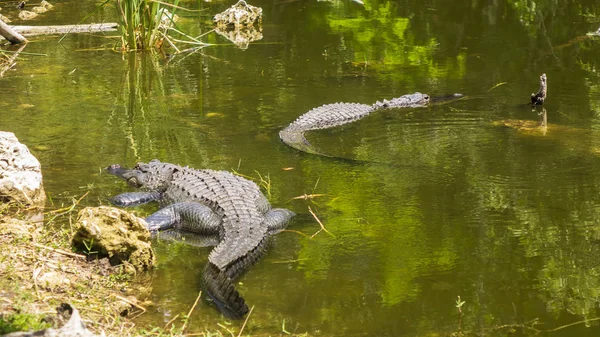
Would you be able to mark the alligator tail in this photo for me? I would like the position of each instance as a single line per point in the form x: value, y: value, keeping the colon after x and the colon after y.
x: 219, y: 284
x: 296, y: 139
x: 220, y: 289
x: 242, y: 264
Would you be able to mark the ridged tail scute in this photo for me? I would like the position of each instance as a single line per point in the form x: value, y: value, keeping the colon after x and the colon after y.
x: 219, y: 287
x: 241, y: 265
x: 218, y: 284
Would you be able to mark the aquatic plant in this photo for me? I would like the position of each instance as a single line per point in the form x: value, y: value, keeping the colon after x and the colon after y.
x: 144, y: 23
x: 150, y: 24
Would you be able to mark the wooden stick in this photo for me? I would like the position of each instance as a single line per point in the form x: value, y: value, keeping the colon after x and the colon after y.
x: 59, y: 251
x: 226, y: 329
x: 191, y: 310
x: 295, y: 231
x: 320, y: 224
x: 246, y: 321
x: 65, y: 29
x: 171, y: 321
x: 130, y: 302
x: 10, y: 34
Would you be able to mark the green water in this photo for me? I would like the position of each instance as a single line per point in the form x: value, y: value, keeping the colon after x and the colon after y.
x: 430, y: 204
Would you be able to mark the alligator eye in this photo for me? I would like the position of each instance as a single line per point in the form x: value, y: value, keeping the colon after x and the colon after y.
x: 133, y: 181
x: 141, y: 167
x: 426, y: 97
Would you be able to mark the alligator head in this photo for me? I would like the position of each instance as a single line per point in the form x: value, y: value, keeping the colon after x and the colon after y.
x: 415, y: 100
x: 154, y: 176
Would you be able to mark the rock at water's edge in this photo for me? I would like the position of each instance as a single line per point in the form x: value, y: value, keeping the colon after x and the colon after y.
x: 116, y: 234
x: 20, y: 173
x: 74, y: 327
x: 239, y: 15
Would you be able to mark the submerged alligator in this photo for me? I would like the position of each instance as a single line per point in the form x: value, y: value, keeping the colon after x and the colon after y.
x: 337, y: 114
x: 210, y: 203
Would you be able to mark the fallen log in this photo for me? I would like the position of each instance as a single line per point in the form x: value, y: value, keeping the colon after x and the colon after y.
x: 65, y: 29
x: 10, y: 34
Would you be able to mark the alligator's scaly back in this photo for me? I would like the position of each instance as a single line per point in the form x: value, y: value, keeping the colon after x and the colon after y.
x: 323, y: 117
x: 230, y: 196
x: 337, y: 114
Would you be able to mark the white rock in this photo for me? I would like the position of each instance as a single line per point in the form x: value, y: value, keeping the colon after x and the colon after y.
x: 20, y: 173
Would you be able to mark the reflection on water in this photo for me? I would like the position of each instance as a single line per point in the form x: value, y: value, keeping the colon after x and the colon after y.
x: 433, y: 203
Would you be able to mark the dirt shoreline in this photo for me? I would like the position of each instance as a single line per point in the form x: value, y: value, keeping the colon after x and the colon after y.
x: 39, y: 271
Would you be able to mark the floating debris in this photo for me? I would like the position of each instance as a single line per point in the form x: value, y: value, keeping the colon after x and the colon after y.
x: 239, y: 15
x: 46, y: 4
x: 42, y: 8
x: 241, y: 37
x: 39, y: 9
x: 240, y: 24
x: 27, y: 15
x: 4, y: 18
x: 215, y: 114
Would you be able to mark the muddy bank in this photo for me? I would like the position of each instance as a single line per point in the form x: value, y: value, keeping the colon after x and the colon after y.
x: 38, y: 272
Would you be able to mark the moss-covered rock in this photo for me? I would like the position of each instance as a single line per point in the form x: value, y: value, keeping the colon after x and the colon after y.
x: 116, y: 234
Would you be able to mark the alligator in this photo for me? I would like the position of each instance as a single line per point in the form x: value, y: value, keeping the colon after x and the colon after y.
x: 337, y: 114
x: 208, y: 202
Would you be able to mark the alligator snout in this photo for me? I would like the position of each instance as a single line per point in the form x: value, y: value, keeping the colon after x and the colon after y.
x: 116, y: 169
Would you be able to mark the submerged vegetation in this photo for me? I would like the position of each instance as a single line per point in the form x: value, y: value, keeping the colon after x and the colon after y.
x: 148, y: 24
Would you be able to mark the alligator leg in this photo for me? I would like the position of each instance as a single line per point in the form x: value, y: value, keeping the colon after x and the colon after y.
x: 189, y: 238
x: 277, y: 219
x: 135, y: 198
x: 189, y: 216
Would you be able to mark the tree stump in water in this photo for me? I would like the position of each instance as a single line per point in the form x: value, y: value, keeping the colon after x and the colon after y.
x: 540, y: 96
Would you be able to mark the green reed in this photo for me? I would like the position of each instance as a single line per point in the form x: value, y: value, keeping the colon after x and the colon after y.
x: 144, y: 23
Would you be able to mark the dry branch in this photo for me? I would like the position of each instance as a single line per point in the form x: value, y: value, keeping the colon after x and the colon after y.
x: 59, y: 251
x: 320, y: 224
x: 246, y: 321
x: 10, y: 34
x: 191, y: 310
x: 65, y: 29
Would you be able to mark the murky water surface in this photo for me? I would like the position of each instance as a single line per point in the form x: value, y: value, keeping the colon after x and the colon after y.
x: 425, y: 205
